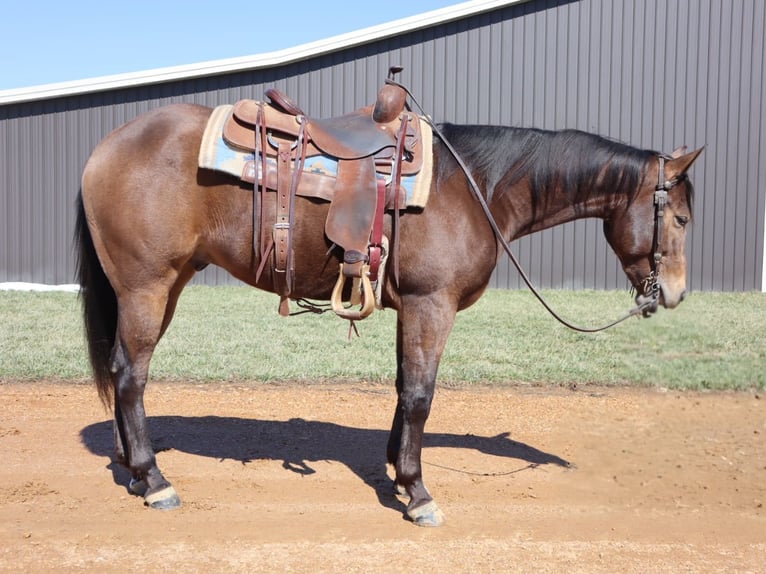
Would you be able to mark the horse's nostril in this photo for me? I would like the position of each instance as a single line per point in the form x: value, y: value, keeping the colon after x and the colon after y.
x: 683, y: 295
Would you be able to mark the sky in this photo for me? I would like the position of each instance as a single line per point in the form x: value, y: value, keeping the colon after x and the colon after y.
x: 47, y: 42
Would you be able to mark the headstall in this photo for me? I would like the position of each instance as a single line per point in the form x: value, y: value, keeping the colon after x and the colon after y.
x: 651, y: 283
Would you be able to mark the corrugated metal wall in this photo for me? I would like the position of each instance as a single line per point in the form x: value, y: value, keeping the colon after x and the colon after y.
x: 653, y: 73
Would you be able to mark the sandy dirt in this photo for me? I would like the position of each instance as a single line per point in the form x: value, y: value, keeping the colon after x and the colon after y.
x: 291, y: 478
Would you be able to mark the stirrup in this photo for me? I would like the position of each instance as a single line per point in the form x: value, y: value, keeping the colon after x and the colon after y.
x: 368, y: 299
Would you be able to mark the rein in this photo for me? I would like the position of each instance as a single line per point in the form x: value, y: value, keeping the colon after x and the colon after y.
x: 651, y: 282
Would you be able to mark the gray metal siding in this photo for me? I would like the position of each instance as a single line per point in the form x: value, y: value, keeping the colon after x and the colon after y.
x: 652, y: 73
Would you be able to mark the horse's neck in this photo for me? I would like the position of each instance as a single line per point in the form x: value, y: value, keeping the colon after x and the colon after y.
x: 520, y: 217
x: 508, y: 160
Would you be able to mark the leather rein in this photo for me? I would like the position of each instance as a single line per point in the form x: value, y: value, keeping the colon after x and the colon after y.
x: 651, y: 283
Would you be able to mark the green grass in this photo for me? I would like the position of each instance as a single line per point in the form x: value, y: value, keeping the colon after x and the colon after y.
x: 712, y: 341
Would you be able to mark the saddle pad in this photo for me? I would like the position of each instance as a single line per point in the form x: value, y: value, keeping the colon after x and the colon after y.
x: 216, y: 154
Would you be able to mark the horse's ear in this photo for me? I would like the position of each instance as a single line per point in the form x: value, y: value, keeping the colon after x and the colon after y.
x: 678, y: 152
x: 680, y: 164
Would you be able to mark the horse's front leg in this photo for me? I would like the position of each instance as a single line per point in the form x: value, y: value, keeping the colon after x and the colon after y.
x: 130, y: 365
x: 422, y: 330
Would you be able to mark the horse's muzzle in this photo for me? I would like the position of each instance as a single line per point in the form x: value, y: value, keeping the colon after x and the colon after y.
x: 651, y: 302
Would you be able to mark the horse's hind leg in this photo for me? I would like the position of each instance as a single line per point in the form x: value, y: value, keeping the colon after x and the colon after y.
x: 142, y: 318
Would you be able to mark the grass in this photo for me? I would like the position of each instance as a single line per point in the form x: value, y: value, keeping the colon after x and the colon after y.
x: 712, y: 341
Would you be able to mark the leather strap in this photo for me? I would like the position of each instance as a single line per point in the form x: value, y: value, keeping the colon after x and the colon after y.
x: 288, y: 177
x: 265, y: 244
x: 660, y: 200
x: 376, y: 237
x: 264, y: 142
x: 259, y: 184
x: 396, y: 177
x: 282, y: 226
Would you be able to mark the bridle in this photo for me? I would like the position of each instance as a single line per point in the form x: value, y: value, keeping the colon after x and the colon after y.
x: 651, y: 284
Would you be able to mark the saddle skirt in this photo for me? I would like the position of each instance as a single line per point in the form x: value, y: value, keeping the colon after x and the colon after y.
x: 218, y: 153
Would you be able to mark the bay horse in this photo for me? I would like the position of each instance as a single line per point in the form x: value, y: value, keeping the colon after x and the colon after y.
x: 148, y: 219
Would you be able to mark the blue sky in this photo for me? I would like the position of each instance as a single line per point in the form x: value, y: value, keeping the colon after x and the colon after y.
x: 46, y: 42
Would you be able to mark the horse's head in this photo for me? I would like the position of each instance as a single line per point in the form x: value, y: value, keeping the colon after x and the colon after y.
x: 649, y: 233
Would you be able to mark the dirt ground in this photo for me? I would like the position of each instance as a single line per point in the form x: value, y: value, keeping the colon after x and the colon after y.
x: 290, y: 478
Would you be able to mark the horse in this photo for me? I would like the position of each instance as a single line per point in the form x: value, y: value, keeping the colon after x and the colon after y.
x: 148, y: 219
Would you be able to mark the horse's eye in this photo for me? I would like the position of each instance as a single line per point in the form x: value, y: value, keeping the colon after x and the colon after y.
x: 681, y: 220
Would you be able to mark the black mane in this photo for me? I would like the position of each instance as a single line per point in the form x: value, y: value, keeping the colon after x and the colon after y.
x: 584, y: 165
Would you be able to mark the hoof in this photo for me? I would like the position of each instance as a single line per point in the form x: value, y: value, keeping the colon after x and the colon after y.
x: 165, y: 499
x: 429, y: 514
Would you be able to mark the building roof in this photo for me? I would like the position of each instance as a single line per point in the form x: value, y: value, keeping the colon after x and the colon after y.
x: 264, y: 60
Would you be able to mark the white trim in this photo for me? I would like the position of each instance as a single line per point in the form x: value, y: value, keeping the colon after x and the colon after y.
x: 20, y: 286
x: 763, y: 266
x: 265, y: 60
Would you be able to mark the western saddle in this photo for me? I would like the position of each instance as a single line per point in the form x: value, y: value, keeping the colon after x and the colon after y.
x: 373, y: 146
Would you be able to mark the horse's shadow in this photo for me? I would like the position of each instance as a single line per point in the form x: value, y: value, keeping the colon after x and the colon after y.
x: 298, y: 442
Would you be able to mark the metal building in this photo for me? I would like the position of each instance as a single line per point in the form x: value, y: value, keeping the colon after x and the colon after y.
x: 652, y: 73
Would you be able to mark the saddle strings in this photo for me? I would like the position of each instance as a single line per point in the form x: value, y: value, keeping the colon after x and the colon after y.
x: 639, y: 309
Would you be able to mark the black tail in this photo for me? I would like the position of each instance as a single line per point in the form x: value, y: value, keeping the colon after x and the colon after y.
x: 99, y: 305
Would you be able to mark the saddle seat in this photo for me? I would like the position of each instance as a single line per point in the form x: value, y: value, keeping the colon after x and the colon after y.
x: 348, y: 137
x: 351, y: 136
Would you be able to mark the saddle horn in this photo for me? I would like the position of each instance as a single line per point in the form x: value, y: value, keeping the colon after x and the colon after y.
x: 391, y: 99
